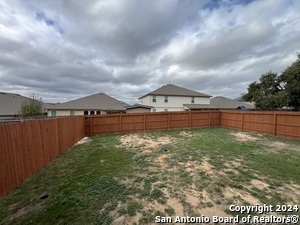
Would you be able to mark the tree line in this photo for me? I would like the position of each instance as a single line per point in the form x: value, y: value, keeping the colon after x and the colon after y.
x: 273, y: 91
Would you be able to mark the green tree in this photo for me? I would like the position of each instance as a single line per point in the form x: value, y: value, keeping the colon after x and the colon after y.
x: 268, y: 93
x: 291, y: 80
x: 32, y: 107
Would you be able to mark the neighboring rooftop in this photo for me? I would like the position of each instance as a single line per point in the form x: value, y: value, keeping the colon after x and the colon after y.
x: 138, y: 106
x: 10, y: 103
x: 200, y: 106
x: 173, y: 90
x: 226, y: 103
x: 240, y: 99
x: 98, y: 101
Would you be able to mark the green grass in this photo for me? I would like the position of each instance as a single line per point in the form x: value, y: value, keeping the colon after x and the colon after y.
x: 97, y: 182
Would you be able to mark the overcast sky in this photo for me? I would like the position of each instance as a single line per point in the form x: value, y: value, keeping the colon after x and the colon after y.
x: 65, y: 49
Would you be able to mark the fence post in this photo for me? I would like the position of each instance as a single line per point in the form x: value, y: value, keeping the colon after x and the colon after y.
x: 275, y: 121
x: 169, y: 120
x: 209, y: 118
x: 91, y: 125
x: 242, y: 122
x: 190, y: 119
x: 144, y: 122
x: 120, y: 123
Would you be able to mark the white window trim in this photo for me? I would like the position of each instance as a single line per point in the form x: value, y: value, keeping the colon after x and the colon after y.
x: 154, y: 98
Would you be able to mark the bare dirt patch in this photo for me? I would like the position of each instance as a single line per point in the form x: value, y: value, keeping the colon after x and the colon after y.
x: 83, y: 141
x: 280, y: 145
x: 291, y: 191
x: 161, y: 160
x: 144, y: 142
x: 259, y: 184
x: 20, y: 209
x: 242, y: 136
x: 206, y: 167
x: 186, y: 134
x: 236, y: 194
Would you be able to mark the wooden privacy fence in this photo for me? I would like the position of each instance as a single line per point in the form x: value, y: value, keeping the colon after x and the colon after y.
x: 285, y: 124
x: 276, y: 123
x: 28, y: 146
x: 122, y: 123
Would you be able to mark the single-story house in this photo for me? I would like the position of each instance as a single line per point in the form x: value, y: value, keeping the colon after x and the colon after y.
x: 10, y: 104
x: 138, y: 108
x: 173, y: 98
x: 99, y: 103
x: 226, y: 103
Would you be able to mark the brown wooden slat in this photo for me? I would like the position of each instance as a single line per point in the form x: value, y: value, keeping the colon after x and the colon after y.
x: 28, y: 146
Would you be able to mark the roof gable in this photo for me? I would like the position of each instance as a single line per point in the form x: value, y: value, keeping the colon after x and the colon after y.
x: 173, y: 90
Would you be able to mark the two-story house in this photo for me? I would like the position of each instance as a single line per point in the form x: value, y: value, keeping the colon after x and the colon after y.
x: 174, y: 98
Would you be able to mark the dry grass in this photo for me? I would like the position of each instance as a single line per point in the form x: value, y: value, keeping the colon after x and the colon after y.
x: 130, y: 179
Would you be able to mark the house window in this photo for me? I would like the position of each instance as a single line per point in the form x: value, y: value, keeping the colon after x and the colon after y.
x: 72, y: 112
x: 154, y: 98
x: 98, y: 112
x: 86, y: 113
x: 193, y: 100
x: 166, y: 110
x: 92, y: 112
x: 153, y: 110
x: 166, y: 98
x: 53, y: 112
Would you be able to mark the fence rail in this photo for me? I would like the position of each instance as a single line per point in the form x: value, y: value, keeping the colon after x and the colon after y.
x: 28, y: 146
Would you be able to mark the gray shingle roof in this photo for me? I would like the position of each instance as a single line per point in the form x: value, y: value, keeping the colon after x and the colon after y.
x: 173, y: 90
x: 139, y: 106
x: 200, y: 106
x: 10, y: 104
x: 226, y: 103
x: 99, y: 101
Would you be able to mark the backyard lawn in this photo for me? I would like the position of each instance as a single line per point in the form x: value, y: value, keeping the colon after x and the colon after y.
x: 142, y: 177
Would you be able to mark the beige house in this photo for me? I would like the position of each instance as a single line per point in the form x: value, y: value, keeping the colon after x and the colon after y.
x: 99, y: 103
x: 138, y: 108
x: 174, y: 98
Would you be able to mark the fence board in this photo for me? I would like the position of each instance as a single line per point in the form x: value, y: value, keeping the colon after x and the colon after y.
x: 285, y: 124
x: 138, y: 122
x: 28, y: 146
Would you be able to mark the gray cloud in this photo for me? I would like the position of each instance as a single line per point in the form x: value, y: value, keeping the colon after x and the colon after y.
x: 62, y: 50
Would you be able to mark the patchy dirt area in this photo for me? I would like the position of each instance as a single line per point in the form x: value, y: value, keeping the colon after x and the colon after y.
x: 83, y: 141
x: 144, y: 142
x: 180, y: 173
x: 204, y: 194
x: 243, y: 136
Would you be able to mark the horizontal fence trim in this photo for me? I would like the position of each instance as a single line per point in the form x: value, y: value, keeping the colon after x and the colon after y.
x: 239, y: 120
x: 288, y: 125
x: 288, y: 134
x: 260, y: 122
